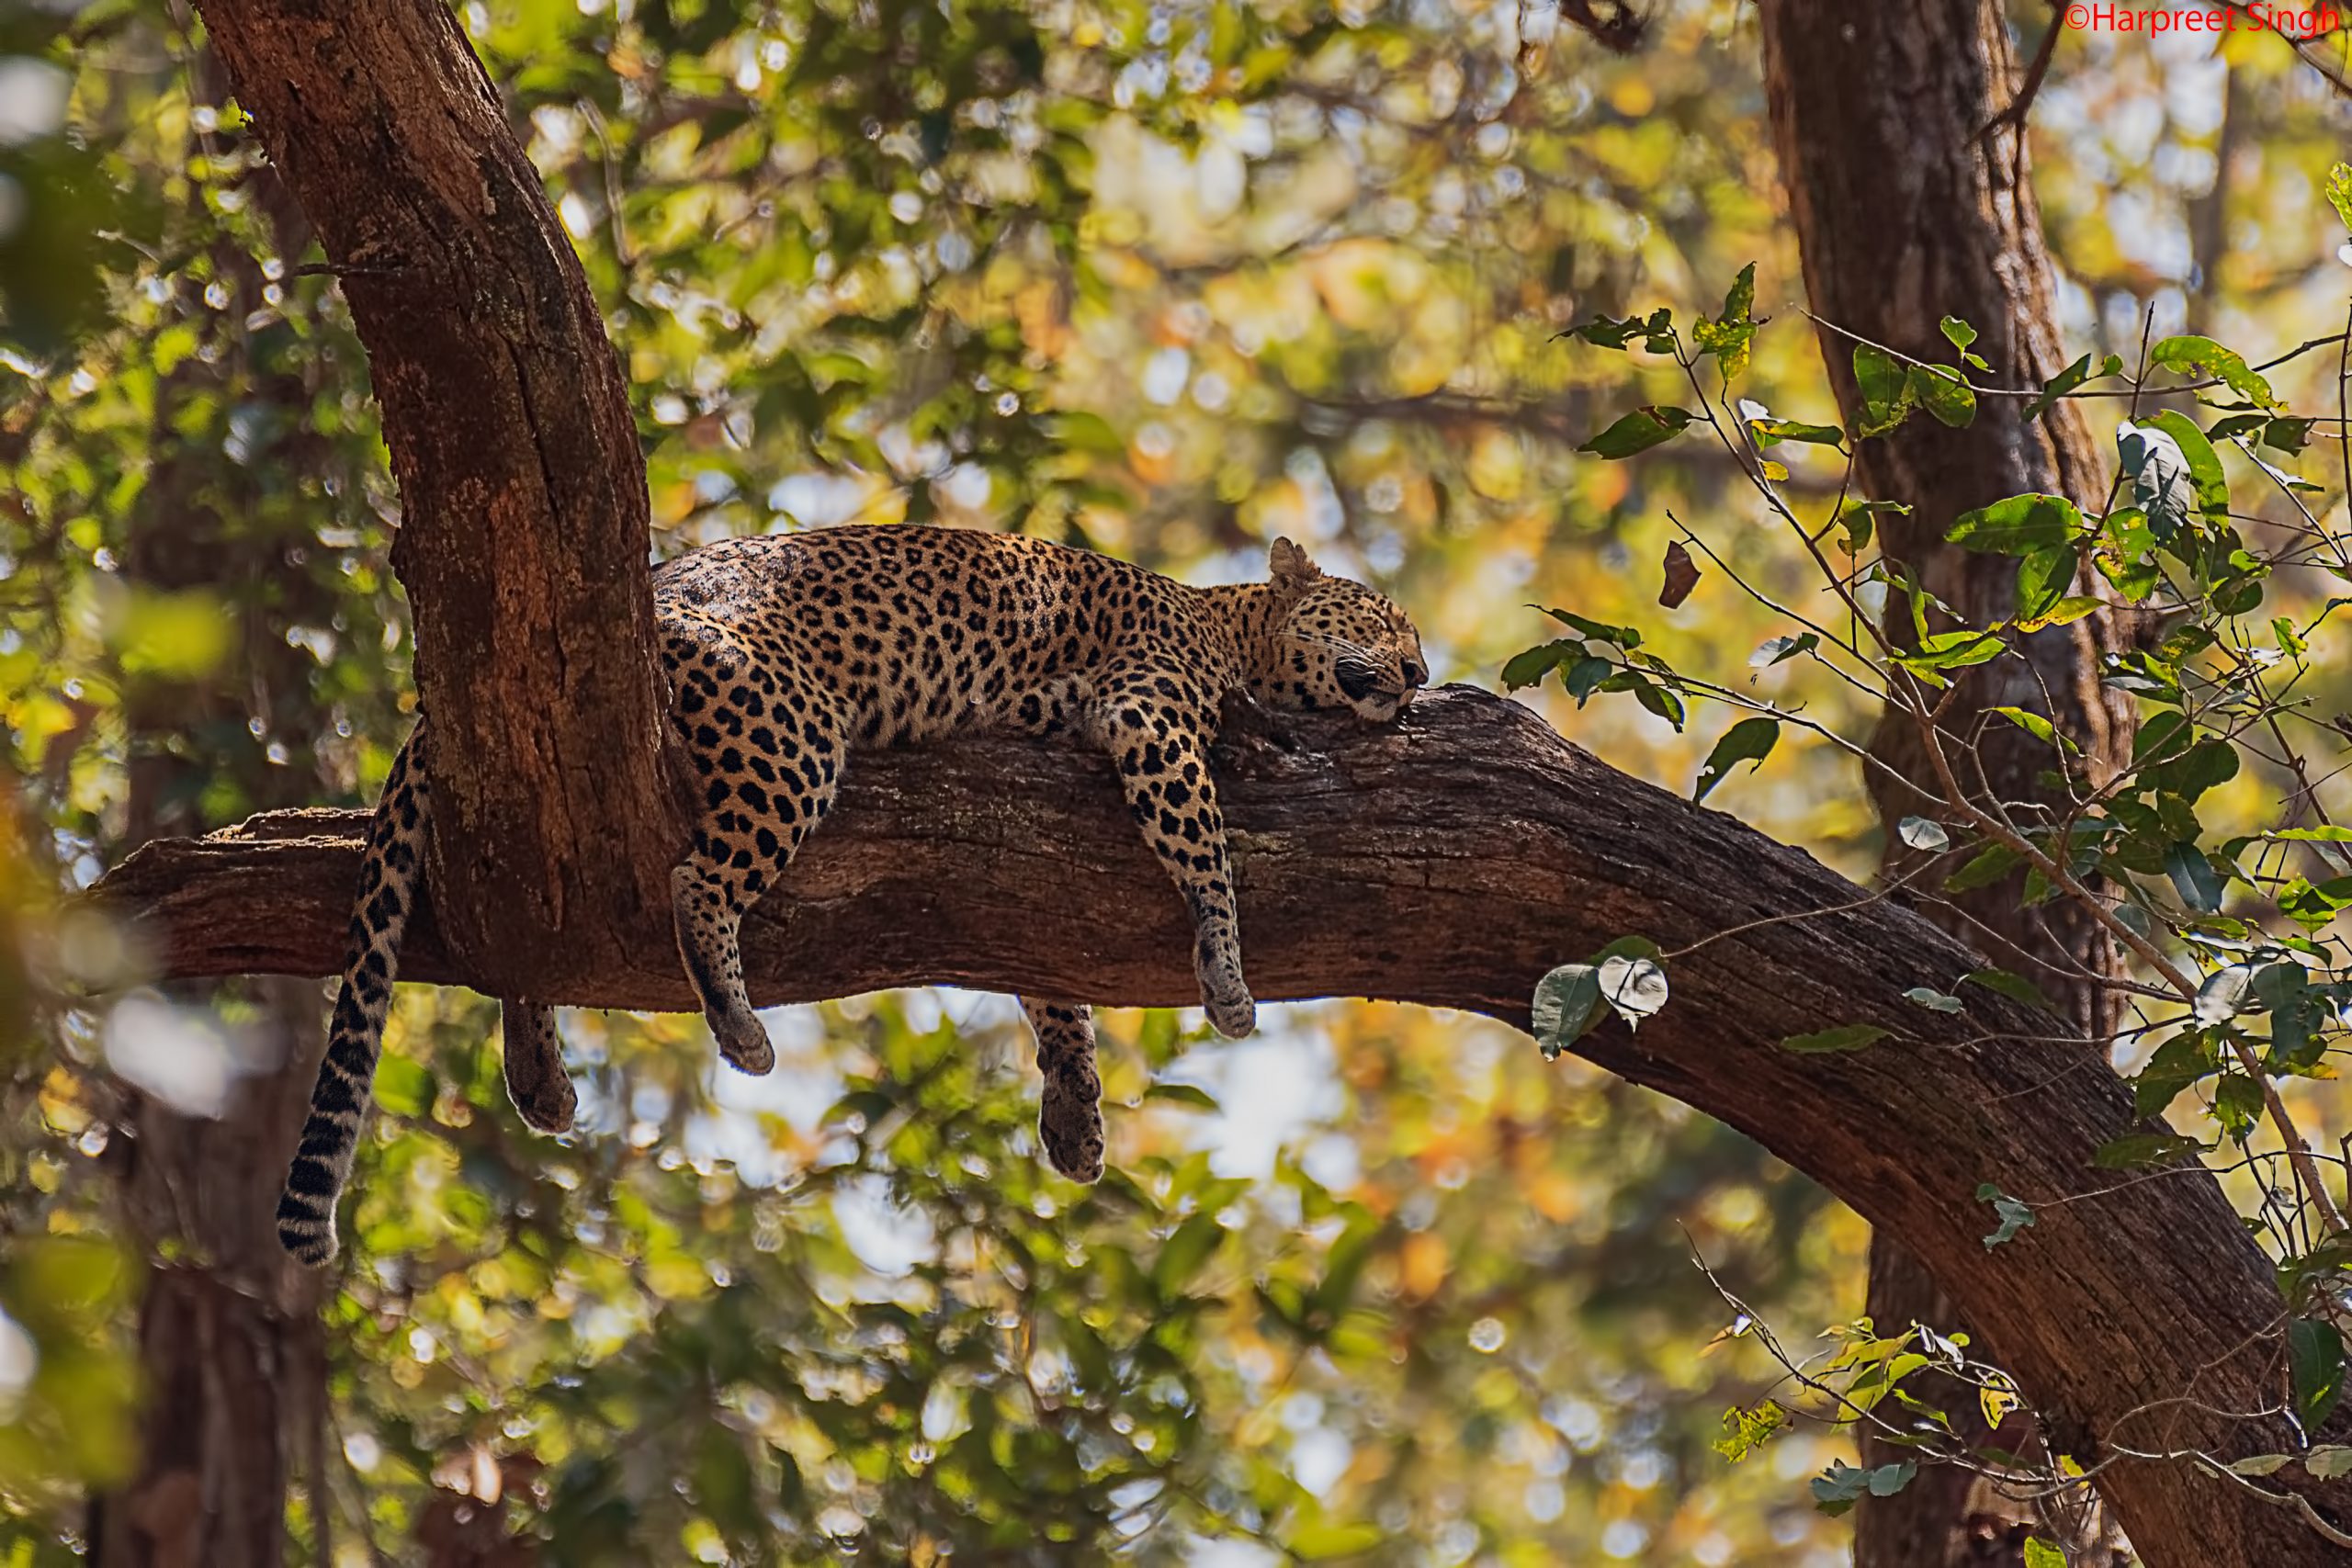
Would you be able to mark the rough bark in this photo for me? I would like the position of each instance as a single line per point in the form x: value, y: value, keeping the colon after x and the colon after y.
x: 523, y: 543
x: 1906, y: 213
x: 1451, y: 861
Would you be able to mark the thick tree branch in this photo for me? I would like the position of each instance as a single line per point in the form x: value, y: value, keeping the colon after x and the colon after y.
x: 1451, y: 861
x: 522, y: 539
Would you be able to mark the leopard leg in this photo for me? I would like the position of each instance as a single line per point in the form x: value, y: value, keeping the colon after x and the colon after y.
x: 1069, y: 1115
x: 756, y: 815
x: 1156, y: 731
x: 707, y: 901
x: 536, y: 1080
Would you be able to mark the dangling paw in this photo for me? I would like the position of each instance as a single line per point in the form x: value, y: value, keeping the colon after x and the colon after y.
x: 743, y: 1040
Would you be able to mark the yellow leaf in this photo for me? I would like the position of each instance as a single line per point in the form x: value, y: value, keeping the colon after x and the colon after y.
x: 1996, y: 1399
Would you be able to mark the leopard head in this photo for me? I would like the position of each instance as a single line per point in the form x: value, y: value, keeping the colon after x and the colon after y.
x: 1340, y: 646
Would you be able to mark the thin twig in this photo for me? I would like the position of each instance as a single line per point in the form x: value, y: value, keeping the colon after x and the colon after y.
x: 2014, y: 114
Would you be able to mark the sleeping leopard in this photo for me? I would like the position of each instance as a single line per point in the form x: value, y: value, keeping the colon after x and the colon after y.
x: 785, y: 654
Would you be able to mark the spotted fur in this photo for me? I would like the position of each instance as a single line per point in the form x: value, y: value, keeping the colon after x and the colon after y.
x: 786, y: 653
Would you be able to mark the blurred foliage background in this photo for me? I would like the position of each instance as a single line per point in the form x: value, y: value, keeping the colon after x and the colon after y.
x: 1166, y: 279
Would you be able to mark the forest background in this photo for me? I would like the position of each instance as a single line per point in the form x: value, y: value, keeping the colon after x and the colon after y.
x: 1166, y: 281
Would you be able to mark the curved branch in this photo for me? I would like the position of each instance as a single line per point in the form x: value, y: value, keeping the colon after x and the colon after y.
x: 1451, y: 861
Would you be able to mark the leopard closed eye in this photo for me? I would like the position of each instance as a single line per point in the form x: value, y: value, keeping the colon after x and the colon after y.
x: 787, y: 653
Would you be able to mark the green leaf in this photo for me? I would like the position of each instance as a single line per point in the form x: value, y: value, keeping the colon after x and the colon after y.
x: 2017, y: 987
x: 1729, y: 336
x: 2043, y: 578
x: 2212, y: 486
x: 1600, y: 631
x: 1945, y: 394
x: 1607, y: 332
x: 2339, y: 192
x: 1749, y: 1429
x: 2065, y: 613
x: 1932, y: 999
x: 1739, y: 300
x: 2328, y: 835
x: 1985, y: 868
x: 1959, y: 333
x: 1886, y: 385
x: 1952, y: 651
x: 2288, y: 435
x: 2202, y: 356
x: 1183, y: 1254
x: 1845, y: 1037
x: 1585, y: 677
x: 2260, y: 1465
x: 2204, y: 766
x: 1749, y: 740
x: 1776, y: 649
x: 2040, y: 1553
x: 2193, y: 876
x: 1190, y: 1096
x: 1840, y: 1486
x: 1661, y: 701
x: 2329, y: 1461
x: 1527, y: 667
x: 1638, y: 431
x: 2176, y: 1064
x: 2019, y: 525
x: 1328, y: 1538
x: 2013, y: 1214
x: 2136, y: 1149
x: 2315, y: 1368
x: 1772, y: 432
x: 1085, y: 432
x: 1729, y: 342
x: 2313, y: 906
x: 2033, y: 724
x: 2058, y: 385
x: 1855, y: 518
x: 1568, y: 1002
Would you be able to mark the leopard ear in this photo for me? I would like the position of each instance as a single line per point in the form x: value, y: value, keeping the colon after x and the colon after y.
x: 1291, y: 567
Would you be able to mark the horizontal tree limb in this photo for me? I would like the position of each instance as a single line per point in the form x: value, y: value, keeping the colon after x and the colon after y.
x: 1450, y: 861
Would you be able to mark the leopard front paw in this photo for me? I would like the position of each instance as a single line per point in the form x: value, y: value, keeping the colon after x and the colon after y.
x: 743, y: 1040
x: 1233, y: 1013
x: 546, y: 1104
x: 1070, y: 1127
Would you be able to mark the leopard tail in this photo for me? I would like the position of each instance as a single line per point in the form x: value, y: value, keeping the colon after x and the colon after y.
x: 390, y: 875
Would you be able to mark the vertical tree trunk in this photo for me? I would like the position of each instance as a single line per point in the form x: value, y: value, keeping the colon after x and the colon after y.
x: 524, y: 535
x: 1909, y: 209
x: 231, y: 1347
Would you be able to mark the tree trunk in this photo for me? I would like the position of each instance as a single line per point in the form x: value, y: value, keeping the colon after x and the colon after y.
x: 230, y: 1349
x: 1906, y: 212
x: 229, y: 1344
x: 524, y: 539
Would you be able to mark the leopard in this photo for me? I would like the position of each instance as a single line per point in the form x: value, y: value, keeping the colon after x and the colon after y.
x: 787, y: 653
